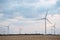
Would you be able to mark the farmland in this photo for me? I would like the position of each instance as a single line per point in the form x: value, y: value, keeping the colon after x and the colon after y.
x: 30, y: 37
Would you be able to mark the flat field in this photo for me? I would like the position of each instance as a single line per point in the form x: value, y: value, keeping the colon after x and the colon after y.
x: 30, y: 37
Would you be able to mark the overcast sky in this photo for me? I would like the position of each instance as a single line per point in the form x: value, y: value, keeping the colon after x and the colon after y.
x: 20, y: 15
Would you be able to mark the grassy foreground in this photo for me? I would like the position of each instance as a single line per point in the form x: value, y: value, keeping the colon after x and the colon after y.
x: 30, y: 37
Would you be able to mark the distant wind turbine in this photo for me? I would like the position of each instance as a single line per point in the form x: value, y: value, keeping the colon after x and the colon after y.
x: 45, y: 18
x: 2, y: 31
x: 53, y: 28
x: 20, y: 29
x: 7, y: 28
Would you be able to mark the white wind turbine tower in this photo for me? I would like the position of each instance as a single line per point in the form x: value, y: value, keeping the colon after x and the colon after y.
x: 46, y: 19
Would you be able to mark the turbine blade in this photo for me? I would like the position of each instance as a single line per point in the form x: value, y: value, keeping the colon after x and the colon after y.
x: 40, y: 19
x: 48, y: 21
x: 46, y: 13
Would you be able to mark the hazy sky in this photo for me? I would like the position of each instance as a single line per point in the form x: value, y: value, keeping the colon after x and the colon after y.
x: 20, y: 15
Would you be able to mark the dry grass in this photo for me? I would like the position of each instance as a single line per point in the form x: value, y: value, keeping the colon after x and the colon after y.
x: 30, y: 37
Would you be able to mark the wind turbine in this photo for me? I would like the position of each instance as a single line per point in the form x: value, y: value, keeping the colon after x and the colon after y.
x: 20, y: 29
x: 53, y: 28
x: 2, y: 31
x: 7, y: 28
x: 45, y: 18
